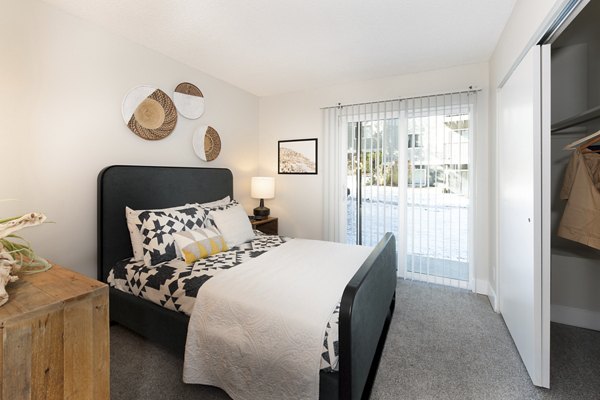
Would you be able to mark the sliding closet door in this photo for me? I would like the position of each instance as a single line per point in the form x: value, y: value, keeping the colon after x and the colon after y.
x: 523, y: 273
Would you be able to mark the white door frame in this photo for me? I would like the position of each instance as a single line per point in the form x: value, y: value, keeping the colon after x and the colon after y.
x: 546, y: 202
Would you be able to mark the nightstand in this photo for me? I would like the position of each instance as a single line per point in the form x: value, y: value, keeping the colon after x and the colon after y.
x: 267, y: 225
x: 55, y: 337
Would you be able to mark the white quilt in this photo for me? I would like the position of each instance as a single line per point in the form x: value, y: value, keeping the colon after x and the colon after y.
x: 257, y: 330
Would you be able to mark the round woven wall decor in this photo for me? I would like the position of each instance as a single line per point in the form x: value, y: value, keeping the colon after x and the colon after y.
x: 189, y: 100
x: 206, y: 143
x: 149, y: 113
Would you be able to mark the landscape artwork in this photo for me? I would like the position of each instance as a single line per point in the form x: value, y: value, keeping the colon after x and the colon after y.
x: 298, y: 156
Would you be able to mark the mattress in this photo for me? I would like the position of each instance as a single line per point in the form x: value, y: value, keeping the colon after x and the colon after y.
x: 174, y: 284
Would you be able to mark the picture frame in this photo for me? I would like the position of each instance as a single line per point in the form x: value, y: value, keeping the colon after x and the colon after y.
x: 297, y: 157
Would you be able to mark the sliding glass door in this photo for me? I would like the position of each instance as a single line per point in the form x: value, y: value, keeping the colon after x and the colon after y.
x: 372, y: 180
x: 438, y: 193
x: 408, y: 171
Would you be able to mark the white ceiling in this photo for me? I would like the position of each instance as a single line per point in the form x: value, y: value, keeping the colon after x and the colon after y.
x: 269, y: 47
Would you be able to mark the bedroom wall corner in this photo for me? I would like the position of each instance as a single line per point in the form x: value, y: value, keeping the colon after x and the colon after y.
x: 69, y: 123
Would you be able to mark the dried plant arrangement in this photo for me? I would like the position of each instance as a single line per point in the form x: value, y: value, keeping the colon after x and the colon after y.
x: 16, y: 254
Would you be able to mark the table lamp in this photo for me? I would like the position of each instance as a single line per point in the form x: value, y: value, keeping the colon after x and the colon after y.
x: 262, y: 188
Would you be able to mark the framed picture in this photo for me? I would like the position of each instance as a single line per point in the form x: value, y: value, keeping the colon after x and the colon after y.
x: 297, y: 156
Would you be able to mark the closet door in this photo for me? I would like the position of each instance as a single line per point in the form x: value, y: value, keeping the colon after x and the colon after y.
x: 523, y: 269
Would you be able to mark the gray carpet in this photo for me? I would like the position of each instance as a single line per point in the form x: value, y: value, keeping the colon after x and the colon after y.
x: 443, y: 343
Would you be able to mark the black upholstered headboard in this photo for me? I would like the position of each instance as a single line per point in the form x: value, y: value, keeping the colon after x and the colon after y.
x: 147, y: 187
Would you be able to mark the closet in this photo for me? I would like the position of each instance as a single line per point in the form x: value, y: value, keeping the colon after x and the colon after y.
x: 549, y: 99
x: 575, y: 113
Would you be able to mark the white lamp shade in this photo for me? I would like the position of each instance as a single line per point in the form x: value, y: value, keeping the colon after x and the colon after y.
x: 262, y: 187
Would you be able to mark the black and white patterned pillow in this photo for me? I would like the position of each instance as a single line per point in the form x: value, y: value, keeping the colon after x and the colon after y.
x: 133, y: 221
x: 157, y: 229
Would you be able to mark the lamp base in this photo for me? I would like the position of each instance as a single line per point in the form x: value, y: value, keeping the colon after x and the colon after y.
x: 261, y: 213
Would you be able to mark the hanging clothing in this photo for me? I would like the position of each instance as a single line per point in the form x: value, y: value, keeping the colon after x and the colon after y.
x: 581, y: 188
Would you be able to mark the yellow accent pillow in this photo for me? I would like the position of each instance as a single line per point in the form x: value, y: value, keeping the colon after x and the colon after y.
x: 200, y: 243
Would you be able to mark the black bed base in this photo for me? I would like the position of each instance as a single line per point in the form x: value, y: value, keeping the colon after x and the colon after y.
x: 367, y: 302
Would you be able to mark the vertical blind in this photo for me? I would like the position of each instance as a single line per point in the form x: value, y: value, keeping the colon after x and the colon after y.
x: 404, y: 166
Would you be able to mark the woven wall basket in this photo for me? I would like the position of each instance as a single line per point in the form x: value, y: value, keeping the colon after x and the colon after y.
x: 149, y: 113
x: 189, y: 100
x: 207, y: 143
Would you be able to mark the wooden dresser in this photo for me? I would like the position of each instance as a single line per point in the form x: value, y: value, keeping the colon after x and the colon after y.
x: 55, y: 338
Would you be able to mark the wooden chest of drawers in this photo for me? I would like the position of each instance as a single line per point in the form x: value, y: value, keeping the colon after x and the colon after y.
x: 55, y: 338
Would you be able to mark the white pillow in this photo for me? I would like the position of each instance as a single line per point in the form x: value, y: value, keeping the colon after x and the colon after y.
x: 133, y: 219
x: 234, y: 225
x: 222, y: 202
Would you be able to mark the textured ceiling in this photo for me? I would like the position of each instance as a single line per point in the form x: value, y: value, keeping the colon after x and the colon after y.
x: 275, y: 46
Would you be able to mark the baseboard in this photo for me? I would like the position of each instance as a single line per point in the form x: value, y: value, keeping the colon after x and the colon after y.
x: 481, y: 287
x: 492, y: 297
x: 486, y: 288
x: 575, y: 317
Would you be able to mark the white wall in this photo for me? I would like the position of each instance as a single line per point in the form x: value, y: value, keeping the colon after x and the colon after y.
x: 61, y: 122
x: 13, y: 117
x: 299, y: 198
x: 527, y: 17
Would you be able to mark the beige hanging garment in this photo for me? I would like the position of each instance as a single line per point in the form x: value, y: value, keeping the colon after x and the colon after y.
x: 581, y: 188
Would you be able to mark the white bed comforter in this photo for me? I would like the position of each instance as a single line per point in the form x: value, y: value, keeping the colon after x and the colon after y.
x: 257, y: 330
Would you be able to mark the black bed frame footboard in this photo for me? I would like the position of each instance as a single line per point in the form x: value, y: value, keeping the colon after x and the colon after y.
x: 365, y: 312
x: 367, y: 302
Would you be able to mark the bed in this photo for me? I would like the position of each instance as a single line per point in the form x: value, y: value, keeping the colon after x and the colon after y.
x: 366, y: 306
